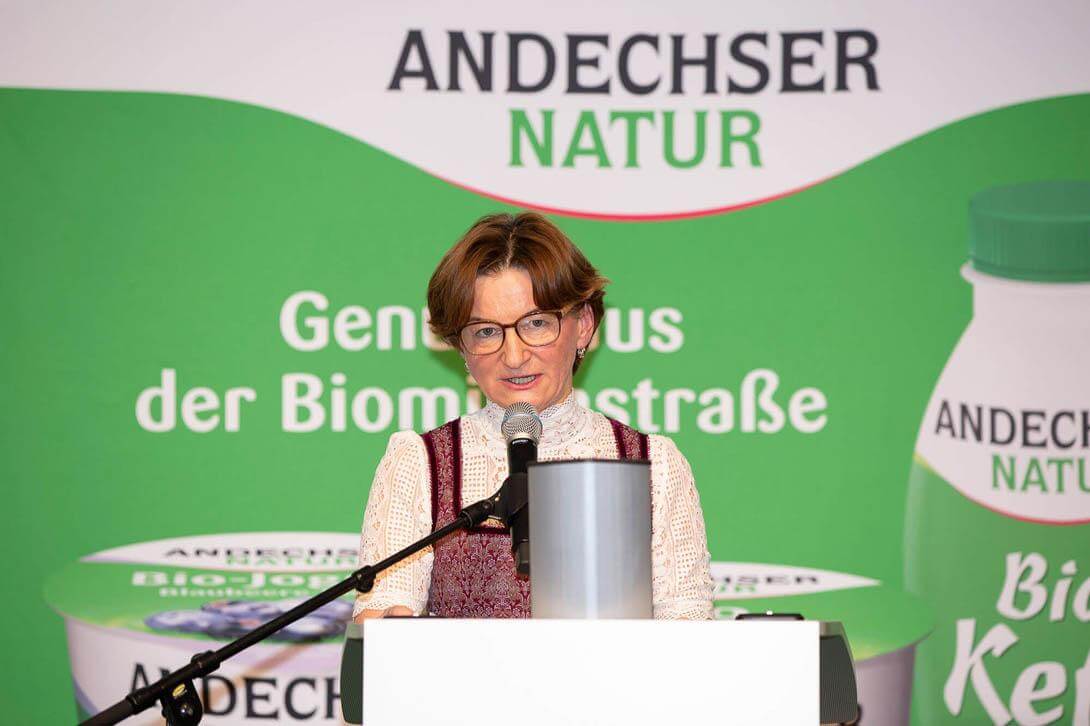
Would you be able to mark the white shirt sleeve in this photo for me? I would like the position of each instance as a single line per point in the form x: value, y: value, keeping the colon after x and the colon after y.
x: 680, y: 577
x: 398, y: 513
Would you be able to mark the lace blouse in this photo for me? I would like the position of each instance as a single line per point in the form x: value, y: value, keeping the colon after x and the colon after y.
x: 399, y: 506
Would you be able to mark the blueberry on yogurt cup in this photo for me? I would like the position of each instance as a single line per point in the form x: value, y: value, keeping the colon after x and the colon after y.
x: 244, y: 609
x: 309, y: 629
x: 186, y: 621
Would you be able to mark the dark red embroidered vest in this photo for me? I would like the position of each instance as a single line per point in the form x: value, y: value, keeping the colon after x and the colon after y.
x: 473, y: 572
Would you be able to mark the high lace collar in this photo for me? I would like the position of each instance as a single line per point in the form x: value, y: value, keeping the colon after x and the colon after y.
x: 560, y: 422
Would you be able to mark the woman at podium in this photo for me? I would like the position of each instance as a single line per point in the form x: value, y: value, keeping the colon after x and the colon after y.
x: 520, y: 303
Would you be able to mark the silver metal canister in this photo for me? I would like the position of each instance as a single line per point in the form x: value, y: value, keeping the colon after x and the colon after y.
x: 590, y: 539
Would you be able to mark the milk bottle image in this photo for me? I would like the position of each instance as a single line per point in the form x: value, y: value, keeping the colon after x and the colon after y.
x: 997, y: 531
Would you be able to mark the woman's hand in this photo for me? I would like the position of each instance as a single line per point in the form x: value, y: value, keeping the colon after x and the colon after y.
x: 392, y: 611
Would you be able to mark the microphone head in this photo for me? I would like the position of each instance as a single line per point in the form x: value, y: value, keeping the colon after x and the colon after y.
x: 520, y: 421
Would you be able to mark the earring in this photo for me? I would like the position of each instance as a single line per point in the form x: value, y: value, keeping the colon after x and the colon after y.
x: 466, y: 364
x: 580, y: 352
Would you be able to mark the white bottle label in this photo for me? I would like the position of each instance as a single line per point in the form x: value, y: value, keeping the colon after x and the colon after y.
x: 1024, y: 453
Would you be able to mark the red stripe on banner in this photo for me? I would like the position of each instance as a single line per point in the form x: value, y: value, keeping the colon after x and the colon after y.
x: 605, y: 216
x: 1030, y: 520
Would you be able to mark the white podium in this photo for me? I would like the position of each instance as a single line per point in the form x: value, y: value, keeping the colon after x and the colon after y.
x: 422, y: 672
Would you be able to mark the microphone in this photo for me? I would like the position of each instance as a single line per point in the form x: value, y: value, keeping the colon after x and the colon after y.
x: 522, y: 428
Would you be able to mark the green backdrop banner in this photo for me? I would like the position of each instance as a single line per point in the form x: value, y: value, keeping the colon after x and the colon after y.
x: 214, y: 287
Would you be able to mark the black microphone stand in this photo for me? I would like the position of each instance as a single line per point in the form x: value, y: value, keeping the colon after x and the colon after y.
x: 520, y: 452
x: 175, y: 691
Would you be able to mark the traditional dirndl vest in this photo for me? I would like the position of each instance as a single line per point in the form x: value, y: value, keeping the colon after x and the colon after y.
x: 473, y: 572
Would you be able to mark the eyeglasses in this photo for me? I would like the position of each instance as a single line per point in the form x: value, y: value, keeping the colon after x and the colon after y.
x: 534, y: 329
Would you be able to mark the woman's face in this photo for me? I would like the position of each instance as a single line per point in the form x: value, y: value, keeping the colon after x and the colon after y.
x: 518, y: 372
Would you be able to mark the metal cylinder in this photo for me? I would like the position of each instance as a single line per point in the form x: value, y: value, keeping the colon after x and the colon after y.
x: 590, y: 539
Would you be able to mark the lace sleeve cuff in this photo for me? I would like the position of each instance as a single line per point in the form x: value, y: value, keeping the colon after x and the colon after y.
x: 685, y: 610
x: 383, y: 600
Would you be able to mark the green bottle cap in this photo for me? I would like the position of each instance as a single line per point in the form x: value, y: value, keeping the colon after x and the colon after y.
x: 1036, y: 231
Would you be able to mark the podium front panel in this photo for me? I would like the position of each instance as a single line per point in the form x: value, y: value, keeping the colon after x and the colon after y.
x: 420, y: 672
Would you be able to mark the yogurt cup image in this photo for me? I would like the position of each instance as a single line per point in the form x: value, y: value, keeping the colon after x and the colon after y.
x: 229, y: 619
x: 997, y: 530
x: 883, y: 624
x: 135, y: 612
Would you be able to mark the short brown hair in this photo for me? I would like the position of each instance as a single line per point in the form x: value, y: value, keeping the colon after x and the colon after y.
x: 559, y: 272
